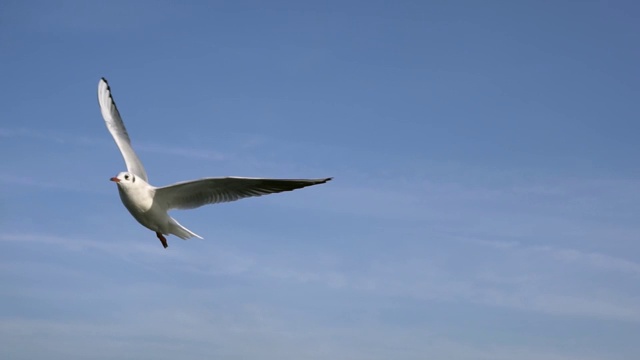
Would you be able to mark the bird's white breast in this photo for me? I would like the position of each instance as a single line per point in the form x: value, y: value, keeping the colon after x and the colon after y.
x: 139, y: 201
x: 138, y: 198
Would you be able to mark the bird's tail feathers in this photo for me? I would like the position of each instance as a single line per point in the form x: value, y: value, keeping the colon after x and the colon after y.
x: 181, y: 231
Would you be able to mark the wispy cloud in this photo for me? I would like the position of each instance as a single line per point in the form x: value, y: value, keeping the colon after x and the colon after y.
x: 423, y: 277
x: 198, y: 317
x: 221, y: 262
x: 591, y: 259
x: 251, y: 332
x: 82, y: 244
x: 162, y: 149
x: 42, y: 135
x: 43, y: 184
x: 186, y: 152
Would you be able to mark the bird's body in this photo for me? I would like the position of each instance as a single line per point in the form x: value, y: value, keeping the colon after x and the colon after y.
x: 138, y: 199
x: 149, y: 205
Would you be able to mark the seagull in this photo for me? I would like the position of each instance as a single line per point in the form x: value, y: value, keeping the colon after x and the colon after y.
x: 149, y: 204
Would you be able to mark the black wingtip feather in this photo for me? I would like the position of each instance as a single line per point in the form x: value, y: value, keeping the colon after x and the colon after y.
x: 106, y: 82
x: 113, y: 102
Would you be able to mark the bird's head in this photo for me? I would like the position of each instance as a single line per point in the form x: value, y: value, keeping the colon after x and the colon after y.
x: 124, y: 179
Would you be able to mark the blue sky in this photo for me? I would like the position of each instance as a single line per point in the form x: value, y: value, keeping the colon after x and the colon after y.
x: 485, y: 202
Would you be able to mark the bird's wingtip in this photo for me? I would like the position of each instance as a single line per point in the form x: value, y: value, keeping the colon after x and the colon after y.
x: 104, y: 80
x: 105, y: 83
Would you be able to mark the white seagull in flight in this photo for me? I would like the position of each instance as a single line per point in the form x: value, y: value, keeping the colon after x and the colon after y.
x: 149, y: 204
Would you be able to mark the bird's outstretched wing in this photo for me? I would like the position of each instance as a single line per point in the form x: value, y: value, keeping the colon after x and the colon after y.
x: 193, y: 194
x: 118, y: 131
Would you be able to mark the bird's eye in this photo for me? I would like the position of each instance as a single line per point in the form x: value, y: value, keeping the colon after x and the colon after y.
x: 126, y: 177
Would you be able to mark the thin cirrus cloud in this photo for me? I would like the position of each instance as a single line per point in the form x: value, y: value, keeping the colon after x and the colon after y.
x: 591, y: 259
x: 139, y: 326
x: 423, y: 277
x: 252, y: 332
x: 87, y: 141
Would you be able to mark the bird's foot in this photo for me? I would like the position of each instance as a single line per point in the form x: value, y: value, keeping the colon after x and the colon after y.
x: 163, y: 240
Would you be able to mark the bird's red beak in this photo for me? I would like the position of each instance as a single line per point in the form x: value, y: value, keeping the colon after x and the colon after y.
x: 115, y: 179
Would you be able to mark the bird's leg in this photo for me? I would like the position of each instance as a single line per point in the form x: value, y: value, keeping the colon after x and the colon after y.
x: 163, y: 240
